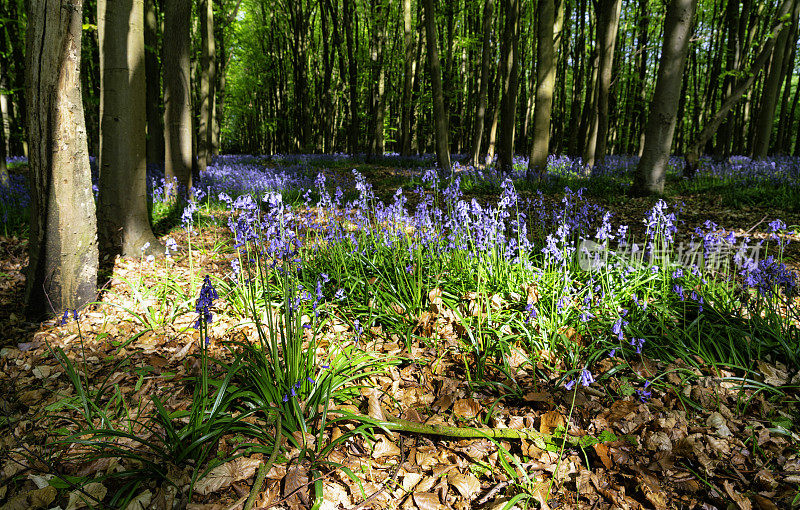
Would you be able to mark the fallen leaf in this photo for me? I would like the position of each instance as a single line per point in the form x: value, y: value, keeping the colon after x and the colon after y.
x: 466, y: 408
x: 602, y: 452
x: 741, y: 501
x: 427, y: 501
x: 94, y: 492
x: 466, y: 484
x: 296, y: 478
x: 385, y: 448
x: 140, y: 502
x: 550, y: 421
x: 224, y: 475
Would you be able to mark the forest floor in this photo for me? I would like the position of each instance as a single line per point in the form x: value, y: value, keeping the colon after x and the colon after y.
x: 735, y: 446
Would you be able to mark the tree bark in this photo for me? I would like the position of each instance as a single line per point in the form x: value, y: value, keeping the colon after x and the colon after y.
x: 486, y: 48
x: 178, y: 153
x: 545, y: 84
x: 408, y: 77
x: 607, y: 27
x: 439, y: 115
x: 714, y: 121
x: 208, y: 79
x: 769, y: 95
x: 508, y: 103
x: 123, y: 219
x: 649, y: 174
x: 155, y: 117
x: 62, y: 269
x: 353, y: 75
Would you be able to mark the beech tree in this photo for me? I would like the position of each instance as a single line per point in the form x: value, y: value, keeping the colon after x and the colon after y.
x: 439, y: 115
x: 178, y: 152
x: 62, y: 269
x: 123, y: 219
x: 545, y: 84
x: 649, y: 175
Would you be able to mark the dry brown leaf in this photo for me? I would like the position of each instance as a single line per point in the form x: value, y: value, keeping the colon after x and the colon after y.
x: 741, y: 501
x: 602, y: 451
x: 466, y: 408
x: 550, y: 421
x: 296, y: 478
x: 763, y: 503
x: 652, y: 489
x: 224, y: 475
x: 93, y: 492
x: 385, y: 448
x: 466, y: 484
x: 140, y: 502
x: 427, y: 501
x: 374, y: 409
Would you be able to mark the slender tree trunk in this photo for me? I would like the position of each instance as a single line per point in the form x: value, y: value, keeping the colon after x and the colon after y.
x: 486, y: 48
x: 607, y: 27
x: 508, y: 104
x: 649, y: 175
x: 439, y: 114
x: 62, y: 269
x: 219, y: 103
x: 155, y: 117
x: 714, y: 121
x: 4, y: 178
x: 208, y: 79
x: 122, y: 213
x: 545, y: 84
x: 353, y: 73
x: 408, y: 77
x: 177, y: 94
x: 495, y: 104
x: 769, y: 95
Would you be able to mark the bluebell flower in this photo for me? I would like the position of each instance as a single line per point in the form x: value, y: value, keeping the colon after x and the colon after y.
x: 206, y: 300
x: 638, y: 343
x: 65, y: 317
x: 570, y: 384
x: 586, y: 377
x: 643, y: 393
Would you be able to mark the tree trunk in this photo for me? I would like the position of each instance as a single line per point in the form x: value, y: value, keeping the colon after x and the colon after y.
x: 649, y: 175
x: 178, y: 154
x: 486, y: 48
x: 155, y: 117
x: 62, y: 269
x: 123, y: 219
x: 714, y: 121
x: 353, y: 74
x: 4, y: 178
x: 408, y: 77
x: 508, y: 104
x: 439, y: 115
x: 765, y: 119
x: 545, y: 84
x: 607, y: 26
x: 208, y: 79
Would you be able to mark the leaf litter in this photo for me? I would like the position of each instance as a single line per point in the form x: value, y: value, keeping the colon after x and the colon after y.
x: 705, y: 444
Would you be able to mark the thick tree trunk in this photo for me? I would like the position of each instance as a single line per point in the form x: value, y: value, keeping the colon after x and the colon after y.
x: 177, y: 94
x: 508, y: 103
x: 649, y: 175
x: 765, y: 119
x: 155, y: 117
x: 439, y: 115
x: 62, y: 270
x: 208, y: 79
x: 123, y: 219
x: 480, y: 116
x: 545, y: 84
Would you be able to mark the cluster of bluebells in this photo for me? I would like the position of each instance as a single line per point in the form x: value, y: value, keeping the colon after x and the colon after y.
x: 585, y: 379
x: 204, y: 303
x: 65, y: 317
x: 770, y: 276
